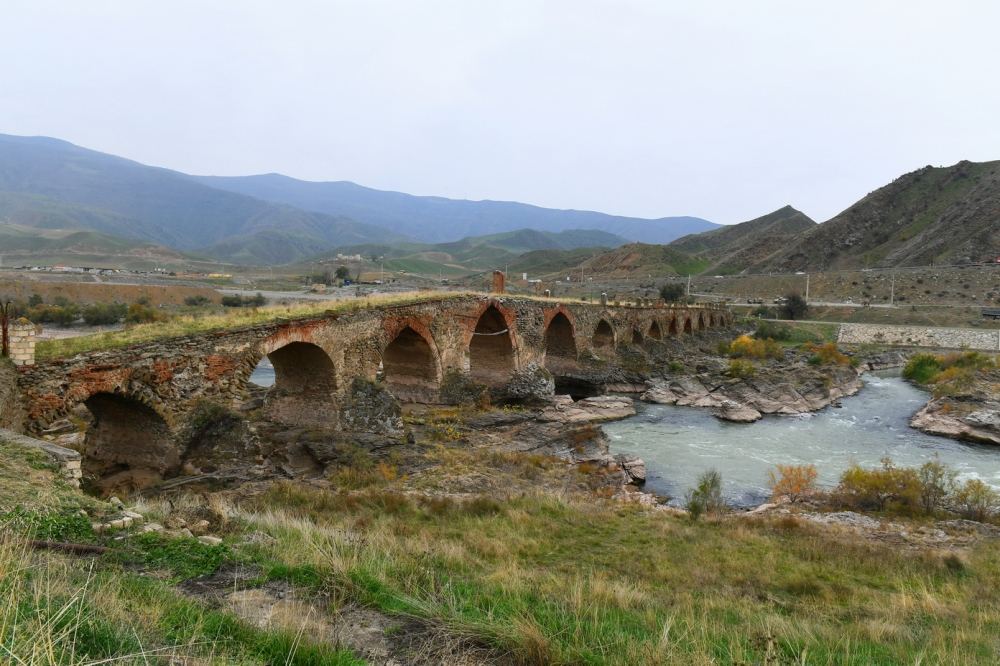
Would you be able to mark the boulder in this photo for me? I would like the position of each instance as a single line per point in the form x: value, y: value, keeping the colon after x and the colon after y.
x: 589, y: 410
x: 634, y: 468
x: 736, y: 412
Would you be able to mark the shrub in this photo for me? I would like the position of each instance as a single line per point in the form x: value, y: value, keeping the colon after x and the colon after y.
x: 792, y: 482
x: 827, y: 354
x: 953, y: 380
x: 794, y: 307
x: 706, y: 497
x: 937, y: 482
x: 741, y: 369
x: 922, y: 368
x: 233, y: 301
x: 773, y: 330
x: 139, y: 313
x: 976, y: 501
x: 197, y: 301
x: 672, y: 292
x: 103, y: 313
x: 747, y: 347
x: 880, y: 488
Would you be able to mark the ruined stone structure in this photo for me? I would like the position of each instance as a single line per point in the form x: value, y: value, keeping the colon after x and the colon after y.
x: 140, y: 396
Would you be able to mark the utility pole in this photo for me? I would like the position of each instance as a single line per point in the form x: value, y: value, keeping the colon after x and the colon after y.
x: 689, y: 285
x: 5, y: 310
x: 892, y: 289
x: 807, y: 288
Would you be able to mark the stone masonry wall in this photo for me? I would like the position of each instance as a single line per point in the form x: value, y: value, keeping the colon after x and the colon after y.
x: 169, y: 376
x: 919, y: 336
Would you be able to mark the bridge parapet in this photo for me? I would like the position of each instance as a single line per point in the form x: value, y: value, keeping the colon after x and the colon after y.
x: 139, y: 396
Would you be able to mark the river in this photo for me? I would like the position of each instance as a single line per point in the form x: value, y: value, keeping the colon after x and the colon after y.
x: 679, y: 443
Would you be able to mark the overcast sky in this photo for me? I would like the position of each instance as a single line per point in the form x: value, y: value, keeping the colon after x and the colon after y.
x: 724, y: 110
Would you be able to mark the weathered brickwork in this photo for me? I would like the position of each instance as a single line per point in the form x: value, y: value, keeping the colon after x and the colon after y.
x: 919, y: 336
x: 140, y: 396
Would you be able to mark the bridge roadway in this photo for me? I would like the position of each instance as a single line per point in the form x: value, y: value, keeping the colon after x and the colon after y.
x: 140, y: 396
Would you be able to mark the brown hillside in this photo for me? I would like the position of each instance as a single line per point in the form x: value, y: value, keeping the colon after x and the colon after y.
x: 930, y: 216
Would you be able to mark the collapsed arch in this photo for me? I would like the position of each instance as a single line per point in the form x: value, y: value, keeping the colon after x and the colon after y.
x: 305, y: 385
x: 636, y: 336
x: 128, y: 444
x: 491, y: 350
x: 410, y: 367
x: 560, y: 343
x: 654, y: 331
x: 604, y: 335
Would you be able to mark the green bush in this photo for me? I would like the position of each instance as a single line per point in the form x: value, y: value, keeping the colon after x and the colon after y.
x: 103, y: 313
x: 773, y: 330
x: 197, y: 301
x: 706, y: 497
x: 921, y: 368
x: 880, y: 488
x: 140, y: 313
x: 48, y: 526
x: 976, y: 501
x: 741, y: 369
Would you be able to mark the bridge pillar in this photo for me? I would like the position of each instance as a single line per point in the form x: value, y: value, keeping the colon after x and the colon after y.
x: 499, y: 282
x: 22, y: 342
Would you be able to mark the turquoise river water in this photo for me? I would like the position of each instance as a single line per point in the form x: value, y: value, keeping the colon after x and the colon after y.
x: 679, y: 443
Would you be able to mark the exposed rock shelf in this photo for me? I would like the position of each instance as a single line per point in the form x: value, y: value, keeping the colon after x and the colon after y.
x: 788, y: 388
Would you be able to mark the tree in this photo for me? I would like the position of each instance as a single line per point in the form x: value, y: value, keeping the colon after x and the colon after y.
x: 706, y: 497
x: 976, y: 501
x: 342, y: 273
x: 937, y: 482
x: 36, y: 299
x: 794, y: 307
x: 672, y: 292
x: 792, y: 482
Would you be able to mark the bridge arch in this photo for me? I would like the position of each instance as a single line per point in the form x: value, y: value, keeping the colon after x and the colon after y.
x: 492, y: 359
x: 637, y: 338
x: 604, y: 335
x: 654, y: 331
x: 411, y: 365
x: 702, y: 321
x: 560, y: 342
x: 305, y: 380
x: 129, y: 444
x: 688, y: 326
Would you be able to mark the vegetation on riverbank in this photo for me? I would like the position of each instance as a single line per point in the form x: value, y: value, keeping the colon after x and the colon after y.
x: 537, y: 578
x: 949, y: 374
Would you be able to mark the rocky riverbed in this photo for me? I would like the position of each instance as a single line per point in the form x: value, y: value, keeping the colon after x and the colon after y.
x: 790, y: 386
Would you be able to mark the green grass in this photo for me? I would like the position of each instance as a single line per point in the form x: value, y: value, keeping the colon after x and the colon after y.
x: 235, y: 318
x: 554, y: 581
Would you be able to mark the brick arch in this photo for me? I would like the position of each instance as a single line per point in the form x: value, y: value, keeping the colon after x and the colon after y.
x: 688, y: 326
x: 410, y: 360
x: 559, y: 339
x: 491, y: 341
x: 672, y: 326
x: 655, y: 332
x: 129, y: 444
x: 604, y: 334
x: 305, y: 377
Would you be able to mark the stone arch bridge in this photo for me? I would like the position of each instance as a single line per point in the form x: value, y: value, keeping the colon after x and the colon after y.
x: 139, y: 396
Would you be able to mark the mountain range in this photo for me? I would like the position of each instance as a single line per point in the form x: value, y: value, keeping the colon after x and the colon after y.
x: 271, y: 219
x: 934, y: 215
x: 61, y: 200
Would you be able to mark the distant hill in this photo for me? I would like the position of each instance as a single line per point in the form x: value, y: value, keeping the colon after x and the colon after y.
x: 23, y: 245
x: 733, y: 248
x: 437, y: 219
x: 641, y: 259
x: 477, y: 253
x: 929, y: 216
x: 48, y: 183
